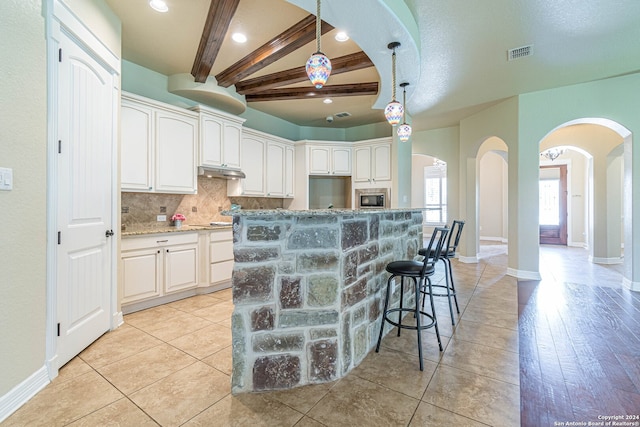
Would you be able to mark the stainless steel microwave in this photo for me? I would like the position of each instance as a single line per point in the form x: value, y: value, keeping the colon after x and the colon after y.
x: 372, y: 201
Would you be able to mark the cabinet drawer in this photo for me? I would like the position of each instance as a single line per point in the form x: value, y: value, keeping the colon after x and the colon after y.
x: 220, y: 235
x: 221, y: 251
x: 149, y: 241
x: 221, y: 271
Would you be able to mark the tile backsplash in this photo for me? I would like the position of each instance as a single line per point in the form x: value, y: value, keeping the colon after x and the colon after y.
x: 140, y: 210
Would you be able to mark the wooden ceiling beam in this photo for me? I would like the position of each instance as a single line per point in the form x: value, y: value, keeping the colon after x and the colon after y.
x: 215, y: 28
x: 283, y: 44
x: 353, y: 89
x: 343, y: 64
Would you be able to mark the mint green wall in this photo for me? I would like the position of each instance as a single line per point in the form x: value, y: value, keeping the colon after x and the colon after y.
x: 23, y: 141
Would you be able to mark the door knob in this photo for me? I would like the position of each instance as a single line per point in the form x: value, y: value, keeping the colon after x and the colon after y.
x: 109, y: 233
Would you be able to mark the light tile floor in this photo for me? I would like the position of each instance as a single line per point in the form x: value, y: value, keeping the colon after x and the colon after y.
x: 171, y: 365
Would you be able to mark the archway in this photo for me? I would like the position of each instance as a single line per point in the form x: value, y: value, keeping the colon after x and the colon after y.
x: 604, y: 143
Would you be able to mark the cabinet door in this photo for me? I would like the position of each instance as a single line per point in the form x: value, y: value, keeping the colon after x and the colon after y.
x: 210, y: 141
x: 362, y: 164
x: 381, y: 162
x: 341, y: 159
x: 136, y: 152
x: 253, y: 157
x: 176, y: 138
x: 275, y: 169
x: 180, y: 267
x: 319, y: 160
x: 289, y: 171
x: 231, y: 145
x: 141, y: 274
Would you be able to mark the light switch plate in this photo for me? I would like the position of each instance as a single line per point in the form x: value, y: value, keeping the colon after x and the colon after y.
x: 6, y: 179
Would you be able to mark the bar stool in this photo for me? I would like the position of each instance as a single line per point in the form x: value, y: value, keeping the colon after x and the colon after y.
x: 420, y: 272
x: 448, y: 252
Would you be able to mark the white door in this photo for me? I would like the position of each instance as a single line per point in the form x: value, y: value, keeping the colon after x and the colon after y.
x: 84, y: 199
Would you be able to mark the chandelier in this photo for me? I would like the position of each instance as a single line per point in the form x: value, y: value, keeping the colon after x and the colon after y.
x: 318, y: 66
x: 394, y: 110
x: 404, y: 130
x: 553, y: 153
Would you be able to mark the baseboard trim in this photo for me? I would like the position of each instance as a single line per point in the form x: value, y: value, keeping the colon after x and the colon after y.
x: 607, y: 261
x: 523, y: 274
x: 631, y: 285
x: 468, y: 259
x: 20, y: 394
x: 117, y: 320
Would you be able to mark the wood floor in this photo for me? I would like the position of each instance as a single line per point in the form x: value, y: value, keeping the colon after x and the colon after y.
x: 579, y: 336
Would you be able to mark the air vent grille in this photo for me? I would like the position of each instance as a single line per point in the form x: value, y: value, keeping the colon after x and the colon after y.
x: 520, y: 52
x: 342, y: 115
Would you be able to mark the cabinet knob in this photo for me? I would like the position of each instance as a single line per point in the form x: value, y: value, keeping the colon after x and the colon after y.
x: 150, y: 188
x: 158, y: 250
x: 167, y: 250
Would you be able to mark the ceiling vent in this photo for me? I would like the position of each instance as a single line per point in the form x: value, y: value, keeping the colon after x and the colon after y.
x: 519, y: 52
x: 342, y: 115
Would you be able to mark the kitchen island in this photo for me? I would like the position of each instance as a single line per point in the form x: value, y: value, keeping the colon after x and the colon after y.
x: 308, y: 289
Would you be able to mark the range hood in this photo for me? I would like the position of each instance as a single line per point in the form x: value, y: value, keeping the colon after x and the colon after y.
x: 220, y: 172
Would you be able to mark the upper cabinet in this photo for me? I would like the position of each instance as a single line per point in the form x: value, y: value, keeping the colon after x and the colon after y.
x: 329, y: 160
x: 372, y: 162
x: 220, y: 138
x: 158, y: 147
x: 268, y: 163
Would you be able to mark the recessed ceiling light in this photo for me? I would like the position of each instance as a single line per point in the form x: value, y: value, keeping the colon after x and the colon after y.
x: 327, y: 100
x: 239, y: 37
x: 159, y: 5
x: 342, y: 36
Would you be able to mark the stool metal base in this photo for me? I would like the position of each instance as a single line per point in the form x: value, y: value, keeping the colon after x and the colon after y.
x: 416, y: 312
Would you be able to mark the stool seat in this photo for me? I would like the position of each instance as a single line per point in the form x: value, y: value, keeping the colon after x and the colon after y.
x: 419, y: 273
x: 408, y: 268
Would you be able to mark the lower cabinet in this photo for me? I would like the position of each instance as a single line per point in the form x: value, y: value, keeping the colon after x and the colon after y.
x: 159, y: 268
x: 158, y: 265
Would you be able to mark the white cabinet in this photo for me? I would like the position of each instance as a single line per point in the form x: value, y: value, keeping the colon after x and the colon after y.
x: 156, y: 265
x: 220, y: 256
x: 289, y: 171
x: 220, y: 138
x: 372, y: 163
x: 176, y: 137
x: 328, y: 160
x: 158, y: 147
x: 253, y: 163
x: 268, y: 163
x: 136, y: 152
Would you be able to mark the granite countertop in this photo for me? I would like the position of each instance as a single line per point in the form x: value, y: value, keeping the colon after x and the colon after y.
x: 140, y: 231
x: 315, y: 212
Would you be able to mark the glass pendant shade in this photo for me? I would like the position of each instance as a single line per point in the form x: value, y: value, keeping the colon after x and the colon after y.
x: 393, y: 112
x: 404, y: 132
x: 318, y: 69
x: 318, y: 66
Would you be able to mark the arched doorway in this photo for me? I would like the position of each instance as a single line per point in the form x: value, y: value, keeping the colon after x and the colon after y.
x: 593, y: 152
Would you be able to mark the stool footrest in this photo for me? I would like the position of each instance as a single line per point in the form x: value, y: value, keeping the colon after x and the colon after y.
x: 409, y: 310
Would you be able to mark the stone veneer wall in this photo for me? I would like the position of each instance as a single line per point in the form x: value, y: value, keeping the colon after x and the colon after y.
x: 309, y: 292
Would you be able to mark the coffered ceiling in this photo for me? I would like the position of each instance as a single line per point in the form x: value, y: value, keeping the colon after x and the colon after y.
x: 453, y: 53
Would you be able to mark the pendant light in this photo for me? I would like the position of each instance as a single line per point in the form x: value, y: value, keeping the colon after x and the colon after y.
x: 318, y: 66
x: 404, y: 130
x: 394, y: 110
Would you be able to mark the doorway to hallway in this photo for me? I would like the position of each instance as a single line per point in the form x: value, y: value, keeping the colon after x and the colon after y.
x: 553, y: 205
